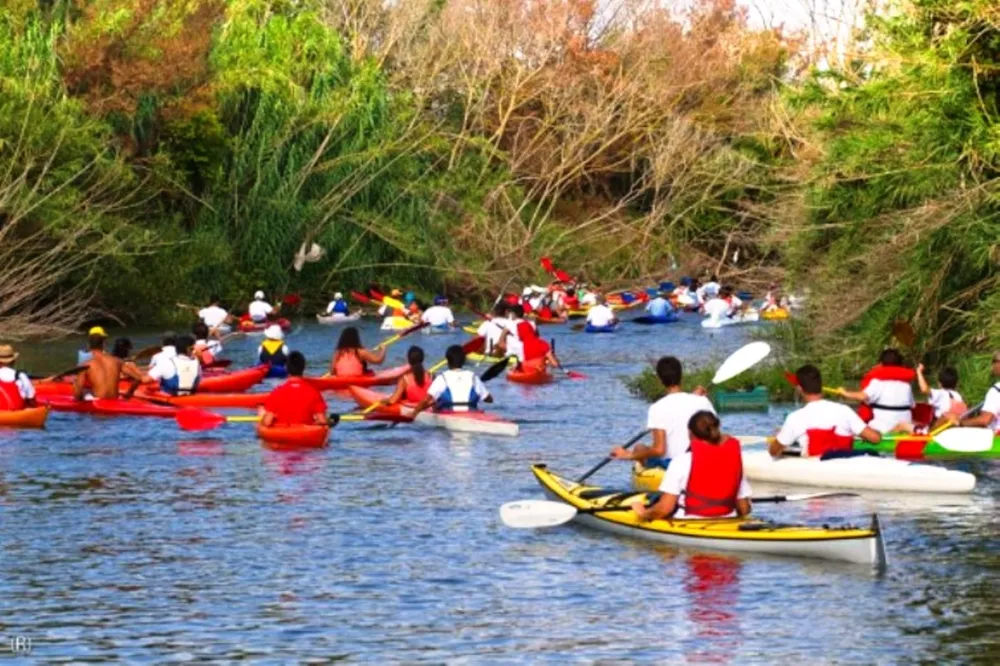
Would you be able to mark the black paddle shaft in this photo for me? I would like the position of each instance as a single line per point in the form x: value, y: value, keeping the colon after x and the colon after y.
x: 604, y: 462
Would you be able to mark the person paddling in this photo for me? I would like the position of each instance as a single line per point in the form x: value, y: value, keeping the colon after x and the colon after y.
x: 272, y: 350
x: 667, y: 419
x: 214, y: 316
x: 83, y: 355
x: 659, y: 307
x: 822, y: 427
x: 168, y: 350
x: 709, y: 477
x: 456, y: 389
x: 989, y: 413
x: 100, y: 379
x: 259, y: 310
x: 180, y: 374
x: 206, y: 349
x: 295, y: 402
x: 439, y: 315
x: 945, y: 400
x: 887, y: 394
x: 16, y: 389
x: 492, y: 330
x: 414, y: 385
x: 600, y: 315
x: 338, y: 306
x: 535, y: 353
x: 350, y: 358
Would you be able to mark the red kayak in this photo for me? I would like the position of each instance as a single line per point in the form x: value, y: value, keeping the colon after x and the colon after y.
x: 336, y: 383
x: 231, y: 400
x: 474, y: 421
x: 133, y: 407
x: 534, y: 376
x: 248, y: 325
x: 230, y: 382
x: 294, y: 437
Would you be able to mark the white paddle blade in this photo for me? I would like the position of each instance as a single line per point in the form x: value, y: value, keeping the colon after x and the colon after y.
x: 741, y: 360
x: 965, y: 440
x: 530, y: 514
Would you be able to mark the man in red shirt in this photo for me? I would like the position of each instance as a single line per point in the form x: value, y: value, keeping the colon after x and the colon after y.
x: 295, y: 402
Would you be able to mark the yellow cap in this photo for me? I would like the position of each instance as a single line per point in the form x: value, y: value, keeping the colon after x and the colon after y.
x: 97, y: 330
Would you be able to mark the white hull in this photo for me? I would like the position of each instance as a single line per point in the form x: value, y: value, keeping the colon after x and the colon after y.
x: 334, y: 320
x: 861, y: 473
x: 459, y: 422
x: 747, y: 318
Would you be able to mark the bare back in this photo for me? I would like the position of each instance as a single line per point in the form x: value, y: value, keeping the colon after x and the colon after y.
x: 101, y: 376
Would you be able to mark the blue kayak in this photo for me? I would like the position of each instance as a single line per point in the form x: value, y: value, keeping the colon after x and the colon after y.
x: 647, y: 319
x: 610, y: 328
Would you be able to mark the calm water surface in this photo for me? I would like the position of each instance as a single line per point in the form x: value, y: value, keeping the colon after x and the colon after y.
x: 127, y: 540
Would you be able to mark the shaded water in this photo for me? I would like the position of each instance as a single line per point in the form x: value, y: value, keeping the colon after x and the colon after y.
x: 127, y: 540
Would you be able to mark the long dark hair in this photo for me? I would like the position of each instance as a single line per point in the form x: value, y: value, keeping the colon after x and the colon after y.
x: 415, y: 357
x: 349, y: 339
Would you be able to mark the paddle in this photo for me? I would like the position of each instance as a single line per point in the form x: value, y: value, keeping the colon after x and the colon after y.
x: 958, y: 440
x: 472, y: 346
x: 494, y: 370
x: 531, y: 514
x: 190, y: 418
x: 65, y: 373
x: 402, y: 334
x: 902, y: 331
x: 562, y: 276
x: 739, y: 361
x: 146, y: 352
x: 572, y: 374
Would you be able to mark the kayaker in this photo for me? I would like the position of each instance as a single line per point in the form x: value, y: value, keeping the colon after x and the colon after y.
x: 83, y: 355
x: 709, y: 476
x: 709, y: 290
x: 734, y: 303
x: 350, y: 359
x: 492, y: 330
x: 181, y: 374
x: 100, y: 379
x: 338, y: 306
x: 439, y: 315
x: 659, y: 307
x: 533, y: 353
x: 259, y: 309
x: 683, y: 296
x: 456, y: 389
x: 945, y: 400
x: 600, y: 315
x: 587, y: 298
x: 206, y: 349
x: 16, y: 390
x: 414, y: 385
x: 413, y: 310
x: 295, y: 402
x: 273, y: 351
x: 989, y: 413
x: 716, y: 309
x: 389, y: 311
x: 122, y: 348
x: 887, y: 394
x: 821, y: 426
x: 214, y: 315
x: 168, y: 350
x: 668, y: 419
x: 772, y: 300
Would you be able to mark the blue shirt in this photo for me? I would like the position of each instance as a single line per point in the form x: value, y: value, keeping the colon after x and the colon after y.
x: 659, y: 307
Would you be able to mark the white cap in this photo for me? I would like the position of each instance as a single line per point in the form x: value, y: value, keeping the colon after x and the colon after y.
x: 338, y: 296
x: 526, y: 292
x: 274, y: 332
x: 258, y: 296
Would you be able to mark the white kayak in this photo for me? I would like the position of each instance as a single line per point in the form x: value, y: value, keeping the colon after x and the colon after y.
x: 477, y: 422
x: 335, y: 319
x: 749, y: 317
x: 859, y: 472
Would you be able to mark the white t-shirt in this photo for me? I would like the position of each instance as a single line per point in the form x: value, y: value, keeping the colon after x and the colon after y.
x: 166, y: 354
x: 892, y: 393
x: 213, y: 316
x: 941, y: 399
x: 708, y: 291
x: 24, y: 385
x: 735, y: 303
x: 590, y: 298
x: 491, y: 330
x: 819, y: 415
x: 675, y: 482
x: 600, y: 315
x: 514, y: 345
x: 991, y: 404
x: 169, y: 369
x: 717, y: 309
x: 461, y: 384
x: 259, y: 310
x: 671, y: 414
x: 438, y: 316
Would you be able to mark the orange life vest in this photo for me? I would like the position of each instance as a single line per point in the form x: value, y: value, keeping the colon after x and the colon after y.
x: 348, y: 364
x: 416, y: 392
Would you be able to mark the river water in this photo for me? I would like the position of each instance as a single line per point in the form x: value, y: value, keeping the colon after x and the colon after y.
x: 127, y: 540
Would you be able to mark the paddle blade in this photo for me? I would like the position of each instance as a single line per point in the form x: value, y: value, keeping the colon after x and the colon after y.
x: 546, y: 264
x: 902, y: 331
x: 741, y: 360
x: 966, y: 440
x: 494, y: 370
x: 791, y: 379
x: 189, y: 418
x: 563, y: 276
x: 573, y: 374
x: 531, y: 514
x: 291, y: 300
x: 475, y: 345
x: 360, y: 298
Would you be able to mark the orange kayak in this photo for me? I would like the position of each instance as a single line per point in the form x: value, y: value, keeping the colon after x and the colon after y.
x: 294, y: 437
x: 533, y: 376
x: 31, y: 417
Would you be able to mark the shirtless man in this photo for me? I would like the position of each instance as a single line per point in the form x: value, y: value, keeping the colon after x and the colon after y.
x: 100, y: 379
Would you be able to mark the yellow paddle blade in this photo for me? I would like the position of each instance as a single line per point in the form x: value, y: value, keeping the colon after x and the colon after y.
x: 393, y: 303
x: 242, y: 419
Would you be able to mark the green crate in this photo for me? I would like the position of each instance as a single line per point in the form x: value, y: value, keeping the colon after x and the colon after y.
x: 730, y: 401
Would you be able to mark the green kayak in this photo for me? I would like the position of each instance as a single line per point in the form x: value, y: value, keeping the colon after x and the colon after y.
x: 952, y: 444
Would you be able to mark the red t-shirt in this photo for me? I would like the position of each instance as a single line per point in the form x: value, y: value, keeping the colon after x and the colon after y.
x: 295, y: 402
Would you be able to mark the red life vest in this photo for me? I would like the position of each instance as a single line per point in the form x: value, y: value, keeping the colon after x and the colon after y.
x: 822, y: 440
x: 526, y: 304
x: 416, y: 392
x: 534, y: 346
x: 883, y: 372
x: 716, y: 474
x: 10, y: 397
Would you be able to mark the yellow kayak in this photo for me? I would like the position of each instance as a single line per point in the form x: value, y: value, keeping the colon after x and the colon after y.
x: 749, y: 535
x: 396, y: 323
x: 647, y: 478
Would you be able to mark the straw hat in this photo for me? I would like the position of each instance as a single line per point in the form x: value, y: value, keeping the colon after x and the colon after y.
x: 274, y: 332
x: 7, y: 354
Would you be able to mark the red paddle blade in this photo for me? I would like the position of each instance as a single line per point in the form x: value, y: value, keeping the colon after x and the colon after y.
x: 190, y: 418
x: 791, y: 378
x: 563, y: 276
x: 475, y: 345
x: 377, y: 295
x: 546, y: 264
x: 291, y: 300
x: 573, y: 374
x: 360, y: 298
x: 411, y: 329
